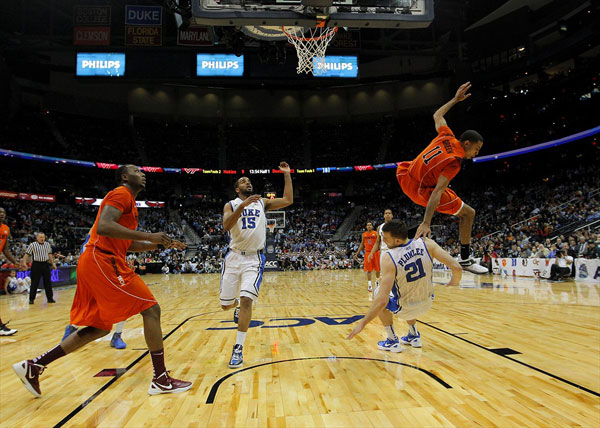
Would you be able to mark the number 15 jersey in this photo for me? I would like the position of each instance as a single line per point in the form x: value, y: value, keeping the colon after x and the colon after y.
x: 250, y: 231
x: 414, y: 273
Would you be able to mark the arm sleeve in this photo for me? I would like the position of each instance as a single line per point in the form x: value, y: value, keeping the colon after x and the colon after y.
x: 119, y: 199
x: 451, y: 169
x: 29, y: 250
x: 445, y: 130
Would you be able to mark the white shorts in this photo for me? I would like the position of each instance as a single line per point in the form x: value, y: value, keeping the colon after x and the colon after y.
x: 406, y: 312
x: 414, y: 311
x: 241, y: 276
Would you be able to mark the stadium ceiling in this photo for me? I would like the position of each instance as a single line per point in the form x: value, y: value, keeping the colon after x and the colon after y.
x: 47, y: 24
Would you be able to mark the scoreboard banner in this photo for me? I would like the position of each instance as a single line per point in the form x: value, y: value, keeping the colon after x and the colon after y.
x: 143, y: 15
x: 136, y: 35
x: 195, y: 36
x: 91, y: 36
x: 143, y: 25
x: 91, y: 25
x: 96, y: 202
x: 27, y: 196
x: 91, y: 15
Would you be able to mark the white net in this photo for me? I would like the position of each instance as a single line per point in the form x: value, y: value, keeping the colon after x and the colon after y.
x: 311, y: 44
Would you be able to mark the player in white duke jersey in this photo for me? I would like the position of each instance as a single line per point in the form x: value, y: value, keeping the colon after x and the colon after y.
x: 406, y: 273
x: 246, y: 223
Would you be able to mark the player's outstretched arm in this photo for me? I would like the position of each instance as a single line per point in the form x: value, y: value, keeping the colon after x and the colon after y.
x: 461, y: 95
x: 440, y: 254
x: 360, y: 247
x: 108, y: 226
x: 288, y: 190
x: 388, y: 273
x: 9, y: 256
x: 375, y: 248
x: 424, y: 228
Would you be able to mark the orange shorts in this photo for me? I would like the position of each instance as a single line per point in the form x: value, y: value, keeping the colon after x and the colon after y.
x: 450, y: 203
x: 374, y: 264
x: 108, y: 291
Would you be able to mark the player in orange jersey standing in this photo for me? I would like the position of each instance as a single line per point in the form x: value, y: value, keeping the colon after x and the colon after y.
x: 370, y: 263
x: 108, y: 290
x: 4, y: 237
x: 425, y: 180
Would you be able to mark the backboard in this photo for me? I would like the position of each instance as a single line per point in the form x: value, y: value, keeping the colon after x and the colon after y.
x: 308, y: 13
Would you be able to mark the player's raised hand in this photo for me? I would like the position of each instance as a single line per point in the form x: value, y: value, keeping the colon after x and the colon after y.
x: 251, y: 199
x: 177, y: 245
x: 160, y: 238
x: 284, y: 167
x: 461, y: 93
x: 423, y: 230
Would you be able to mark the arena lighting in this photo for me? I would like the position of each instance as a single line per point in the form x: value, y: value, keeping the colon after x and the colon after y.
x: 542, y: 146
x: 322, y: 170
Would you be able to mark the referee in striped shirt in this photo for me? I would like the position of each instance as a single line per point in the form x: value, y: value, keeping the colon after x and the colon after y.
x: 41, y: 252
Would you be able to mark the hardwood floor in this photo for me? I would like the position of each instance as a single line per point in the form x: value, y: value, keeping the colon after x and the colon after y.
x: 498, y: 352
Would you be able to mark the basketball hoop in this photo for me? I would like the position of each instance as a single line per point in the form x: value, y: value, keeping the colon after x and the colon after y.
x: 310, y: 47
x: 271, y: 226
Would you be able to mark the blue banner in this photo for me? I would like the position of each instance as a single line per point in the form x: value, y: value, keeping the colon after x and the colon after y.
x: 337, y: 66
x: 101, y: 64
x: 143, y: 15
x: 219, y: 65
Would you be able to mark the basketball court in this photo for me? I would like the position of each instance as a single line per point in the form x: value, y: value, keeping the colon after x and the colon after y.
x: 498, y: 352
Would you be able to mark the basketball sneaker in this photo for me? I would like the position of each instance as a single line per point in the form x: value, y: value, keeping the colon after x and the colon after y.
x: 236, y: 315
x: 471, y: 266
x: 70, y: 329
x: 165, y: 384
x: 29, y: 373
x: 389, y: 345
x: 116, y: 342
x: 5, y: 331
x: 237, y: 359
x: 412, y: 340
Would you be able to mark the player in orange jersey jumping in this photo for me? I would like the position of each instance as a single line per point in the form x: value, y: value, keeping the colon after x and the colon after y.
x: 425, y: 180
x: 370, y: 263
x: 108, y: 290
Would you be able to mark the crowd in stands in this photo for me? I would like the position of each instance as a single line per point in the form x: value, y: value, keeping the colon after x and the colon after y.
x: 306, y: 241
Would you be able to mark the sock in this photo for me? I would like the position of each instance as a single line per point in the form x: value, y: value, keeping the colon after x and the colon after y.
x: 158, y: 362
x: 370, y: 284
x: 119, y: 327
x: 412, y: 329
x: 240, y: 338
x: 389, y: 329
x: 465, y: 251
x: 53, y: 354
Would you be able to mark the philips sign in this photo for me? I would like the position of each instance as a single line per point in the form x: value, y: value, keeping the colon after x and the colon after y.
x: 337, y: 66
x: 219, y: 65
x: 101, y: 64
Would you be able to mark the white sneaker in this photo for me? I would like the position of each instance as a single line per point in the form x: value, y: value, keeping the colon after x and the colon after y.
x: 409, y: 339
x: 470, y: 266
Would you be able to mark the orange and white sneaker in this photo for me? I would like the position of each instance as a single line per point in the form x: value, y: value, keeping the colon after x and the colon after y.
x: 165, y: 384
x: 29, y: 373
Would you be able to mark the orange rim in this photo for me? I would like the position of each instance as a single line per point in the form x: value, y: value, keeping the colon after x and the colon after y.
x: 308, y: 39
